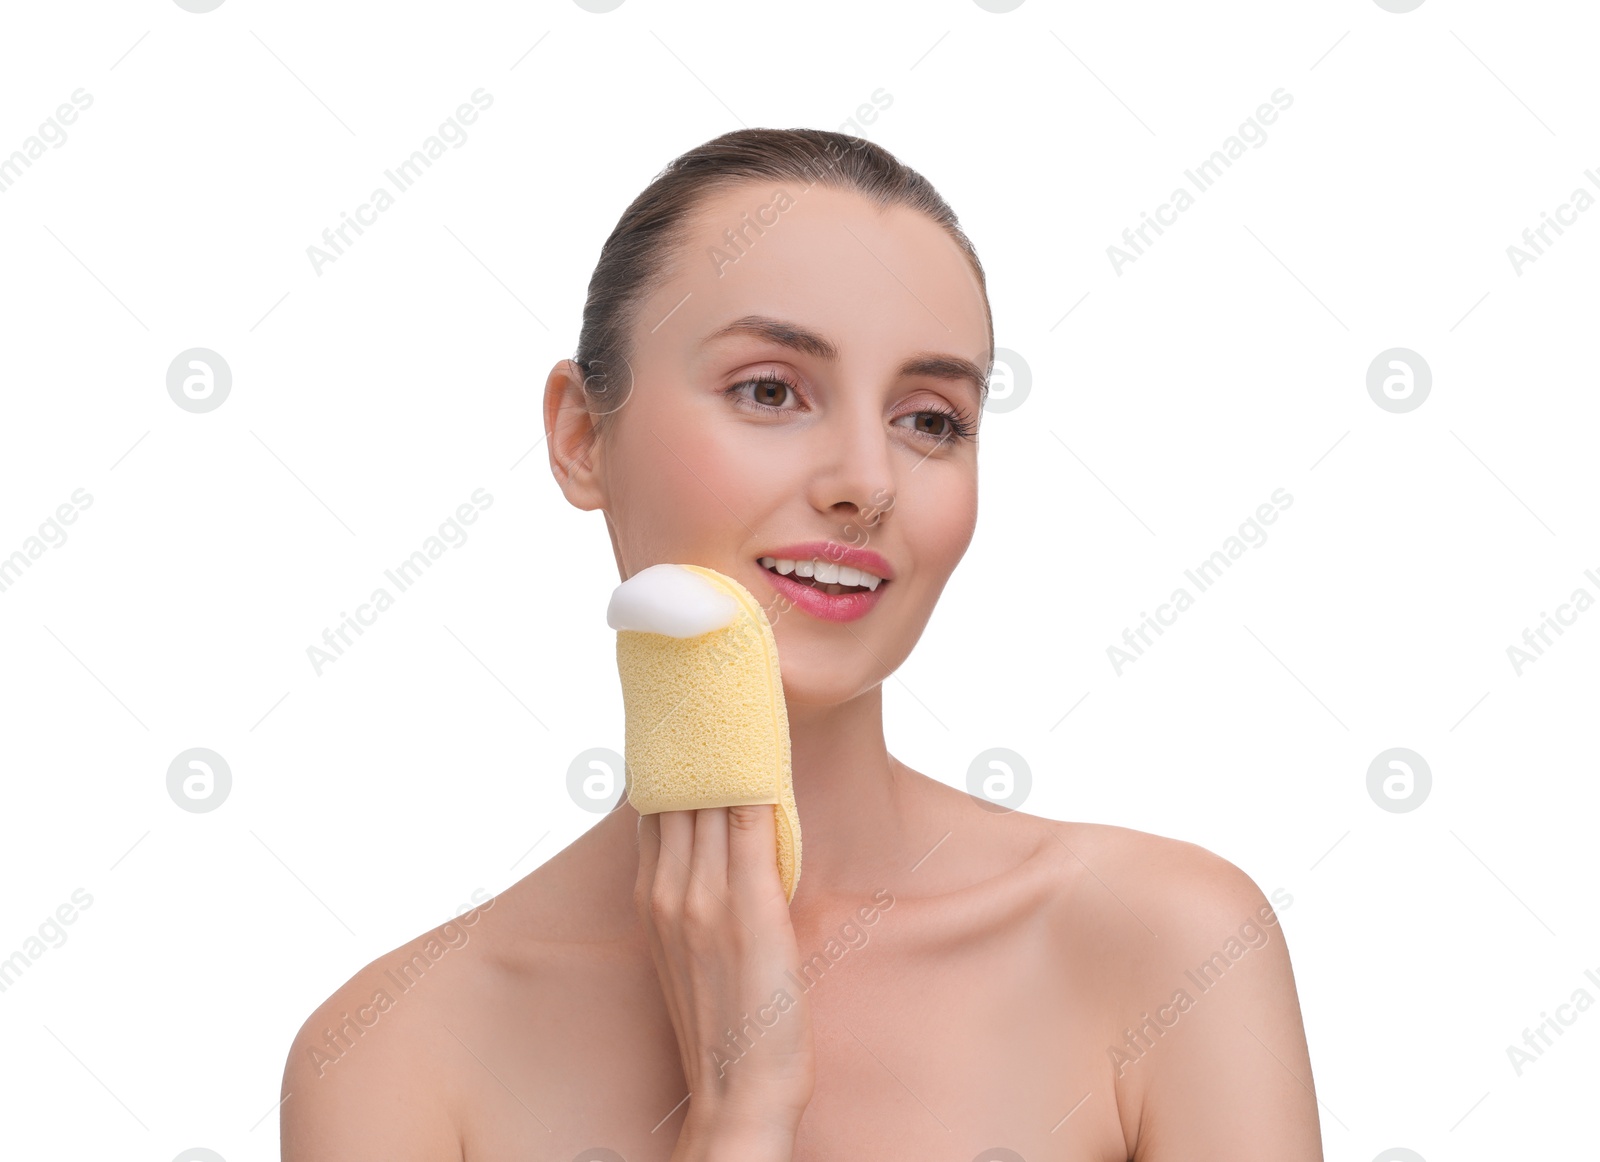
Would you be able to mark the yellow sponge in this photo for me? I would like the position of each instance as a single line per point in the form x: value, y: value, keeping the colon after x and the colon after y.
x: 706, y: 721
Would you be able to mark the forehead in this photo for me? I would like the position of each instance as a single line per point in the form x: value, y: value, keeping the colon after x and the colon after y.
x: 876, y: 282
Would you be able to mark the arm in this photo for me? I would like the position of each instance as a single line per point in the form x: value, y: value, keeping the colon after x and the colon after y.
x: 377, y: 1100
x: 1221, y: 1069
x: 729, y: 1145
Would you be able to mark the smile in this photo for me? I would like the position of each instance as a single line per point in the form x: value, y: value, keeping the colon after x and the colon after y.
x: 829, y: 576
x: 828, y: 581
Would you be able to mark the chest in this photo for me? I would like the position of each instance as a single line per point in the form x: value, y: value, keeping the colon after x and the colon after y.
x: 928, y: 1046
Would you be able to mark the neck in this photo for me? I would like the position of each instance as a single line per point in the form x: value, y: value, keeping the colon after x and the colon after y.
x: 855, y: 799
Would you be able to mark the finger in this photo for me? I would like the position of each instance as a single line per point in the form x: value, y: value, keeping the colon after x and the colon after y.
x: 709, y: 864
x: 753, y: 850
x: 649, y: 829
x: 677, y: 845
x: 649, y: 859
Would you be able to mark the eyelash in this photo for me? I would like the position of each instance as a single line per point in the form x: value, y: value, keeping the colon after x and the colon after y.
x: 960, y: 428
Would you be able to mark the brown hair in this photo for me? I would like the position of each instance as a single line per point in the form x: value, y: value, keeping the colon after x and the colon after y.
x: 637, y: 257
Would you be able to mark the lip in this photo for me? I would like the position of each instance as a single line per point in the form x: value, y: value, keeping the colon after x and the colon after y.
x: 828, y: 606
x: 836, y: 553
x: 825, y: 606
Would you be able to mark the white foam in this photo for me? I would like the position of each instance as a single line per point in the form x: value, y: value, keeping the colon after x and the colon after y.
x: 669, y: 599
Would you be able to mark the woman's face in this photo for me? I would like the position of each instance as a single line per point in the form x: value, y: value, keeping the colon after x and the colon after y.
x: 869, y: 321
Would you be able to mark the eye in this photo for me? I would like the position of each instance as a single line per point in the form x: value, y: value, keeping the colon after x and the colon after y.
x: 939, y: 427
x: 770, y: 391
x: 946, y: 425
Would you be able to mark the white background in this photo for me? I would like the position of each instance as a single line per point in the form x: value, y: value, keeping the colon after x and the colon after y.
x: 1166, y: 402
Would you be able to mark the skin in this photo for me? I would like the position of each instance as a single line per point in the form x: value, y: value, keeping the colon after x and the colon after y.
x: 986, y: 1004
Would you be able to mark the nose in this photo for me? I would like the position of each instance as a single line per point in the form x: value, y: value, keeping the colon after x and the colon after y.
x: 854, y: 481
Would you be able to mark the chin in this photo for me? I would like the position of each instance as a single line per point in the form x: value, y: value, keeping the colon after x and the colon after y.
x: 804, y: 686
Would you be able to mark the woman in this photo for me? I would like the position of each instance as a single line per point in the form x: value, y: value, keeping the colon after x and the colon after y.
x: 786, y: 340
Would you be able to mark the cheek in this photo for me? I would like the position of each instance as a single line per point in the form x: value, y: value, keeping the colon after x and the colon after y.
x: 940, y: 519
x: 741, y: 470
x: 689, y: 476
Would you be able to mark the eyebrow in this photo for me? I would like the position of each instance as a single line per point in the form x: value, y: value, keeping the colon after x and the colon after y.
x: 809, y: 342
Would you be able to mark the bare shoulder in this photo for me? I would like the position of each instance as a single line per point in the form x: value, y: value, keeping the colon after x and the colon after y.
x: 1203, y: 1027
x: 395, y: 1063
x: 369, y: 1073
x: 1161, y: 907
x: 1183, y: 884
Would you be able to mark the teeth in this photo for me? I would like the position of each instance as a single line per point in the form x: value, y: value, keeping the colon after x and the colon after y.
x: 824, y: 572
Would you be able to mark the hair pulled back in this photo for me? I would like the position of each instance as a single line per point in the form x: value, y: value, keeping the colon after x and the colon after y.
x: 639, y: 255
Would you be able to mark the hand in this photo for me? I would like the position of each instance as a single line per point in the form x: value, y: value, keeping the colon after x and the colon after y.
x: 717, y: 919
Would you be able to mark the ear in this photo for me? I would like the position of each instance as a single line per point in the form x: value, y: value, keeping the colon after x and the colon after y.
x: 571, y: 437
